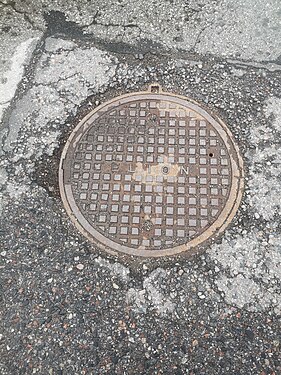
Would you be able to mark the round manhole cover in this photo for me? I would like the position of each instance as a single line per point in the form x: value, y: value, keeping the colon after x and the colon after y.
x: 150, y: 174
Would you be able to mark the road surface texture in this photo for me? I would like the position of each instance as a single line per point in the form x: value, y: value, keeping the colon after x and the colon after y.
x: 68, y: 308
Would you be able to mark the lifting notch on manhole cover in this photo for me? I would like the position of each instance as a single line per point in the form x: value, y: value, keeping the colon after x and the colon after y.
x: 151, y: 173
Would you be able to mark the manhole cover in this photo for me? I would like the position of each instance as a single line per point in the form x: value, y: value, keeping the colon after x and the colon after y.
x: 150, y: 174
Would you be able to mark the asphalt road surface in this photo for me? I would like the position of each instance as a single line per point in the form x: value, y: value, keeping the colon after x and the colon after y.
x: 68, y: 308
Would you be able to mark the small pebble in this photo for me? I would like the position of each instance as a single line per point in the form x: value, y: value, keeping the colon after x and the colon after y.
x: 201, y: 295
x: 194, y: 342
x: 80, y: 266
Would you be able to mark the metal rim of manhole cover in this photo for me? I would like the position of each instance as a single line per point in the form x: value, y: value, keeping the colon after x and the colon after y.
x: 151, y: 174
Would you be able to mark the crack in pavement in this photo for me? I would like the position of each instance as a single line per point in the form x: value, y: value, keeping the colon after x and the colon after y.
x: 25, y: 14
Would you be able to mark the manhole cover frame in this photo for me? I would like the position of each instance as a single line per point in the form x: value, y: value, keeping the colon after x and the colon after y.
x: 215, y: 229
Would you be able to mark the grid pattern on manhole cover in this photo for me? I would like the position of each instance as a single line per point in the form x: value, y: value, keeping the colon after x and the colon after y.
x: 150, y: 174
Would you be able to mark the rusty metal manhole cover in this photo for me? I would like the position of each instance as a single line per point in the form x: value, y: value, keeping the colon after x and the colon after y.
x: 150, y: 174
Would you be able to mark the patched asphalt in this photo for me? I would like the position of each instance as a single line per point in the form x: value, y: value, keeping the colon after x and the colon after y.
x: 68, y: 308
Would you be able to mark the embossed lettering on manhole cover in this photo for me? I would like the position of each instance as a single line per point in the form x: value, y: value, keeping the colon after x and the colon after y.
x: 150, y: 174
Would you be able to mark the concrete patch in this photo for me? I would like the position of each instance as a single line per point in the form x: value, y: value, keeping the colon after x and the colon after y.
x: 62, y: 81
x: 264, y: 183
x: 252, y: 271
x: 12, y: 77
x: 151, y: 295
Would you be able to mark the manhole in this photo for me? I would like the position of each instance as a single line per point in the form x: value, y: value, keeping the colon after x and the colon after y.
x: 150, y: 174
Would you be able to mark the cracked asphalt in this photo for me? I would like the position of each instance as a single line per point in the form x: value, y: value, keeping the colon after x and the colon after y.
x: 68, y: 308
